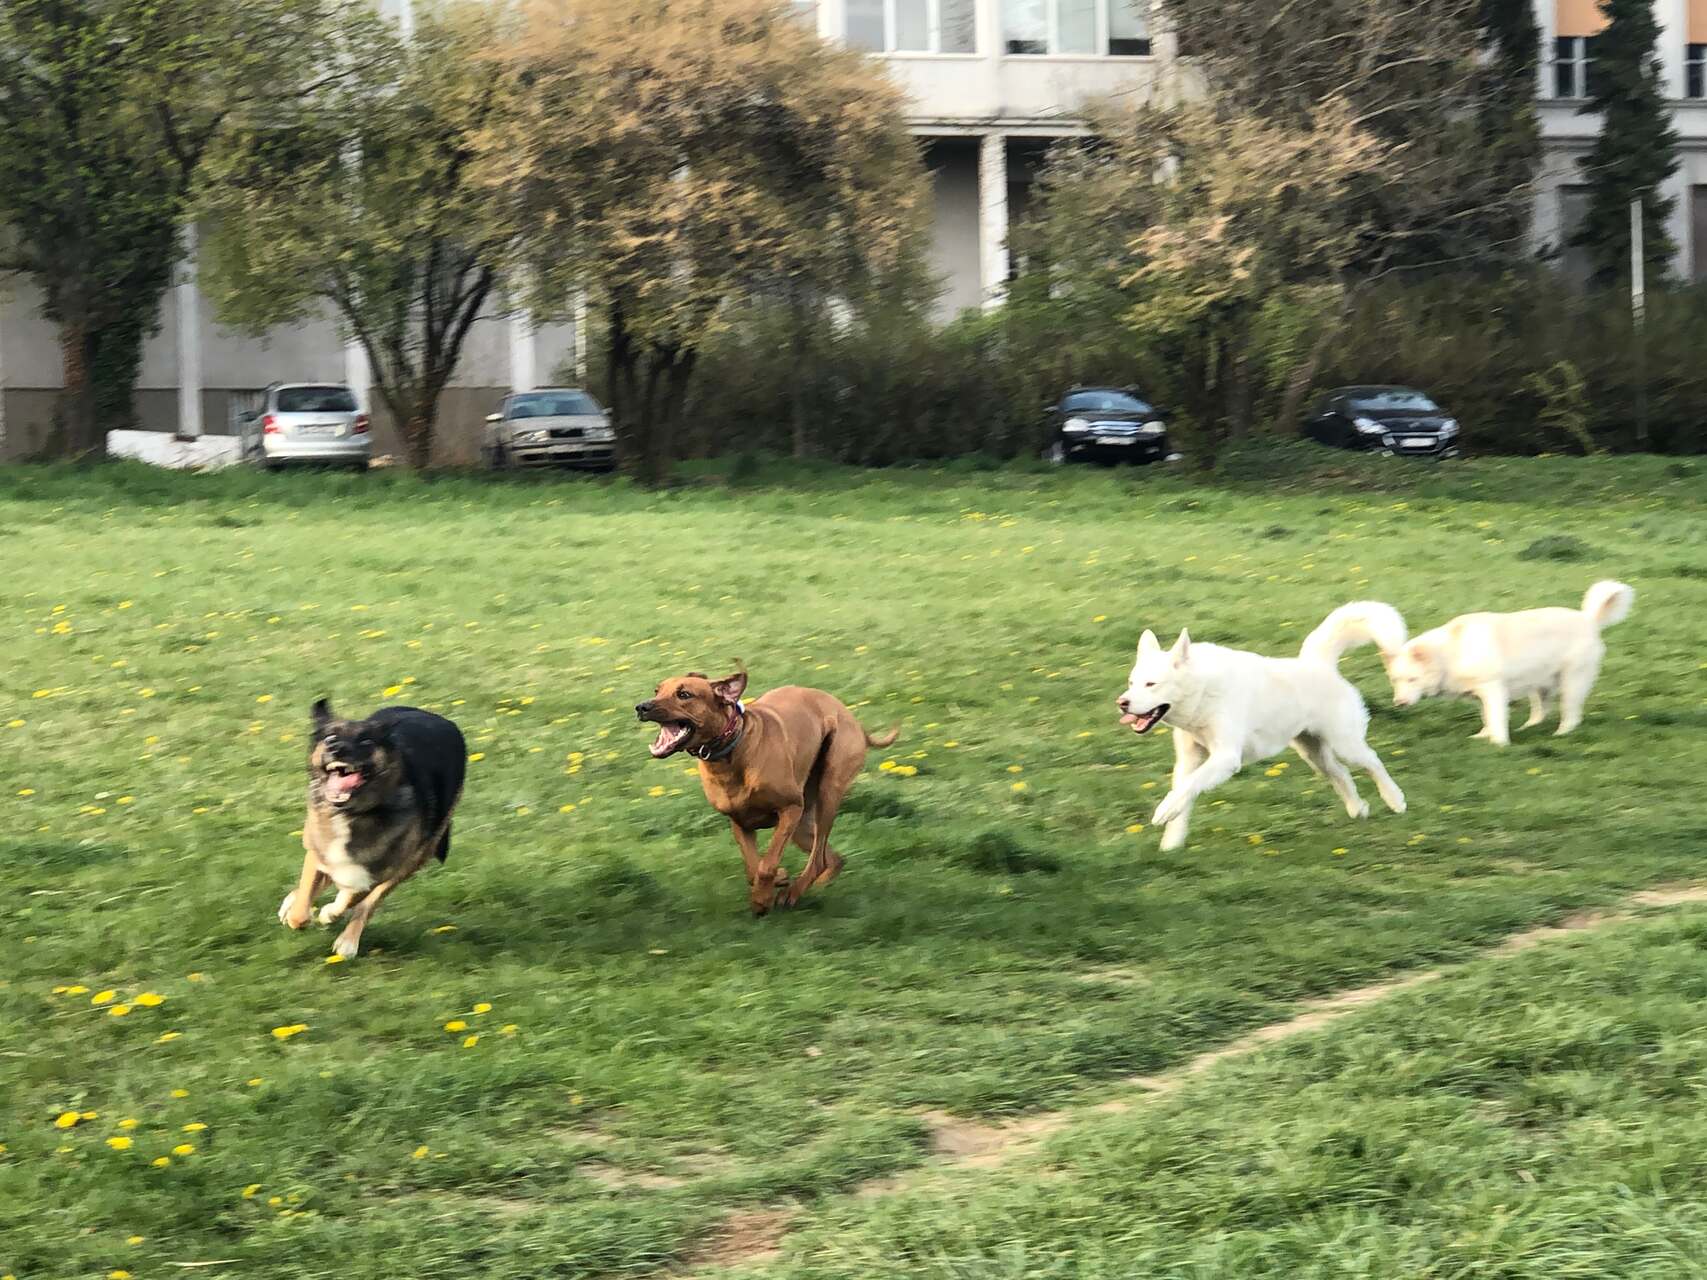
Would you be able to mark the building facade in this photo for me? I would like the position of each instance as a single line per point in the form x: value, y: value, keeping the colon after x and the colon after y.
x: 991, y: 84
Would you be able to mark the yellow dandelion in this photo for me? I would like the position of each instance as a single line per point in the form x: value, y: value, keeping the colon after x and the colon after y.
x: 334, y: 958
x: 419, y: 1153
x: 1254, y: 839
x: 483, y: 1007
x: 255, y: 1083
x: 150, y: 999
x: 285, y: 1033
x: 469, y: 1042
x: 76, y: 990
x: 180, y: 1093
x: 392, y: 690
x: 15, y: 724
x: 183, y: 1149
x: 127, y: 800
x: 250, y: 1190
x: 566, y: 808
x: 118, y: 1011
x: 456, y: 1024
x: 1134, y: 828
x: 133, y: 1239
x: 1016, y: 768
x: 655, y: 791
x: 194, y: 1126
x: 127, y: 1123
x: 161, y: 1162
x: 477, y: 756
x: 166, y: 1037
x: 445, y: 928
x: 1340, y: 852
x: 120, y: 1143
x: 118, y: 1273
x: 89, y: 1115
x: 102, y: 997
x: 66, y: 1119
x: 27, y: 791
x: 1020, y: 786
x: 275, y: 1201
x: 508, y: 1029
x: 575, y: 1099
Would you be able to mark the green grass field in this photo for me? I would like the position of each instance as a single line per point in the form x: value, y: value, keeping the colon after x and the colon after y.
x: 641, y: 1058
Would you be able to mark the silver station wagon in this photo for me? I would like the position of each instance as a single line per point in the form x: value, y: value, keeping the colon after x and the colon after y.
x: 316, y: 423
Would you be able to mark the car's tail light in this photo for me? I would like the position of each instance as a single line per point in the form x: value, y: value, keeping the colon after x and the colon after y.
x: 360, y: 428
x: 270, y: 425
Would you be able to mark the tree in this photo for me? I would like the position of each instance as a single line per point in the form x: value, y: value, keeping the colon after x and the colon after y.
x: 1635, y: 152
x: 361, y: 199
x: 1209, y: 227
x: 107, y: 108
x: 1451, y: 82
x: 679, y: 155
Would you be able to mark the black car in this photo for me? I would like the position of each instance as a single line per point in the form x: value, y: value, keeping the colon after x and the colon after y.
x: 1106, y: 424
x: 1395, y: 420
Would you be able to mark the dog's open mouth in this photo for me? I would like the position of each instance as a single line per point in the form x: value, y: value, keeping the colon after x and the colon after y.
x: 1146, y: 722
x: 341, y: 782
x: 672, y: 736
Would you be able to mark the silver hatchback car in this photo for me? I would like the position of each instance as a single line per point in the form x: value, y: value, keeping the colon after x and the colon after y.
x: 551, y: 426
x: 312, y: 422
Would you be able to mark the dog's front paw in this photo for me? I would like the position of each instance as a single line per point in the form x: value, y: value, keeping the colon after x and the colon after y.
x: 328, y: 913
x: 289, y: 916
x: 1172, y: 840
x: 1172, y: 806
x: 347, y: 945
x: 1358, y: 809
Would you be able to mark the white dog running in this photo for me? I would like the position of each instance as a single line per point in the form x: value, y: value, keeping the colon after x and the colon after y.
x: 1495, y: 657
x: 1228, y: 708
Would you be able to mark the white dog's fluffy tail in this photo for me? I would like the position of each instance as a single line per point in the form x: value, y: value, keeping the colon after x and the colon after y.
x: 1350, y: 625
x: 1607, y: 603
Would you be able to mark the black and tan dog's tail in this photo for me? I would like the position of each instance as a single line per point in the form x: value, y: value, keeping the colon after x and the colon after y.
x: 881, y: 739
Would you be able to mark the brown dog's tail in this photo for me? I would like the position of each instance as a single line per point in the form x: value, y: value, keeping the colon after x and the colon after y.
x: 881, y: 739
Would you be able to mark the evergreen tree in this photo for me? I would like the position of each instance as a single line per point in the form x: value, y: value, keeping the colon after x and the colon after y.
x: 1636, y: 150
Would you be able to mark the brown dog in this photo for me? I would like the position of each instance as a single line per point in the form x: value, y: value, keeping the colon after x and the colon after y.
x: 786, y: 761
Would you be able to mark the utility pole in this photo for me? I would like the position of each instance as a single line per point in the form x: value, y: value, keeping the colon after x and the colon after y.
x: 1638, y: 302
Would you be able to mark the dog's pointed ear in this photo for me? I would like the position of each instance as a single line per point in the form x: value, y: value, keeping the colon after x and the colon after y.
x: 1148, y: 645
x: 320, y: 716
x: 730, y: 688
x: 1182, y: 649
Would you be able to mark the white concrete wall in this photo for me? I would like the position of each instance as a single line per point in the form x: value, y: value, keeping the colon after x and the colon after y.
x: 954, y: 224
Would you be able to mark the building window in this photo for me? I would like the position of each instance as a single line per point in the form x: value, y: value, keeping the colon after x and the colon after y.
x: 1695, y: 71
x: 913, y: 26
x: 1117, y: 27
x: 1573, y: 66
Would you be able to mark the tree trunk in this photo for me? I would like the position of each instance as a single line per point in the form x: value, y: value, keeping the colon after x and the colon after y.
x: 799, y: 344
x: 417, y: 430
x: 77, y: 428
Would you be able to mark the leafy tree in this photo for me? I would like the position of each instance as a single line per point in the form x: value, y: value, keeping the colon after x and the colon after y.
x: 1208, y: 227
x: 676, y: 156
x: 361, y: 199
x: 107, y: 108
x: 1636, y: 150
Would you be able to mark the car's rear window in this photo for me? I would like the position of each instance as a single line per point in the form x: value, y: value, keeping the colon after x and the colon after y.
x: 553, y: 404
x: 1104, y: 402
x: 316, y: 400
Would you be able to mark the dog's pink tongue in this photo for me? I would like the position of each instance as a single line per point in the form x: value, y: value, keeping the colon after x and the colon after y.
x: 1128, y: 718
x: 341, y: 784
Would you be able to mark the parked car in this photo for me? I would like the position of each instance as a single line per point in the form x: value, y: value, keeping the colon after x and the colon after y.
x: 1106, y: 424
x: 1395, y: 420
x: 551, y: 426
x: 310, y: 422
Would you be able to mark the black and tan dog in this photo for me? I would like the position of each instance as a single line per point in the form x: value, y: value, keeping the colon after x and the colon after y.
x: 380, y: 796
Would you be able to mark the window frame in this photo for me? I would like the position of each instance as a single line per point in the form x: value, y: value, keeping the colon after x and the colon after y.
x: 1102, y: 24
x: 1695, y: 71
x: 1581, y: 64
x: 933, y: 28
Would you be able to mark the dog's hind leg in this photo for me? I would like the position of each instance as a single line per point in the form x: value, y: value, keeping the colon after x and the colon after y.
x: 1574, y: 686
x: 842, y: 759
x: 1537, y: 709
x: 1188, y: 755
x: 1320, y: 757
x: 1360, y: 755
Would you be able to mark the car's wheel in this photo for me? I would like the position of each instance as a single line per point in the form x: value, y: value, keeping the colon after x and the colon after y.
x: 498, y: 457
x: 1055, y: 453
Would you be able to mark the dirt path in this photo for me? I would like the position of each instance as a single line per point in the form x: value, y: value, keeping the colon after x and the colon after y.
x: 966, y: 1144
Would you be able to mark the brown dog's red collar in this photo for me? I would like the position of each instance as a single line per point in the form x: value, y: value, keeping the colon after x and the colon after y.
x: 728, y: 740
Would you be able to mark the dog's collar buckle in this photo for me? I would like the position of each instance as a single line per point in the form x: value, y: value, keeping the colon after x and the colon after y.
x: 725, y: 745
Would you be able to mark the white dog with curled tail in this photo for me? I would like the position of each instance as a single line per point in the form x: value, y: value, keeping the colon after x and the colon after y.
x: 1495, y: 657
x: 1229, y: 708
